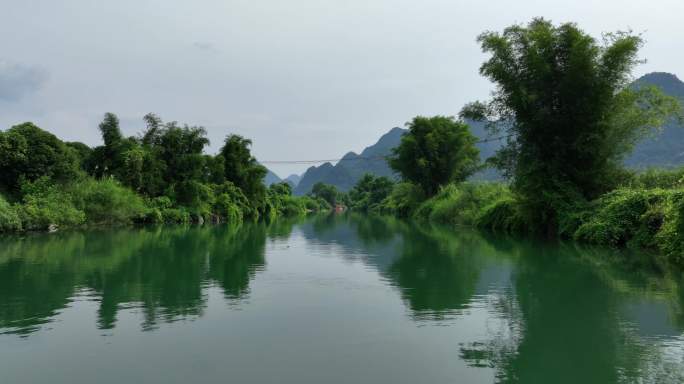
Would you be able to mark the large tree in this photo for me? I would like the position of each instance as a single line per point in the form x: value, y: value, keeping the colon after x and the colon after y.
x: 242, y: 169
x: 167, y: 158
x: 564, y: 103
x: 108, y: 159
x: 28, y: 153
x: 327, y: 192
x: 435, y: 151
x: 369, y: 192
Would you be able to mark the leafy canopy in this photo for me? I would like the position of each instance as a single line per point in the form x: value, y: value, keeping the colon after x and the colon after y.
x: 28, y: 153
x: 326, y: 192
x: 435, y: 151
x: 564, y: 101
x: 242, y: 169
x: 370, y: 192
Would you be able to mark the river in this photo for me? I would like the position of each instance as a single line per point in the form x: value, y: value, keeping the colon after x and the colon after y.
x: 334, y: 299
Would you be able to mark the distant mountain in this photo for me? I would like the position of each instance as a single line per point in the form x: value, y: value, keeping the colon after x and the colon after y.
x: 664, y: 150
x: 667, y: 82
x: 293, y: 180
x: 271, y: 178
x: 352, y: 167
x: 667, y: 148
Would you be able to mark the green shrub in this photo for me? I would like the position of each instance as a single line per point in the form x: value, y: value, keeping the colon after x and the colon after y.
x: 369, y: 193
x: 461, y: 204
x: 237, y: 197
x: 227, y: 209
x: 153, y: 216
x: 44, y: 205
x: 292, y: 206
x: 502, y: 215
x: 107, y: 202
x: 312, y: 205
x: 625, y: 216
x: 403, y: 200
x: 175, y: 215
x: 656, y: 178
x: 161, y: 202
x: 322, y: 204
x: 9, y: 217
x: 670, y: 237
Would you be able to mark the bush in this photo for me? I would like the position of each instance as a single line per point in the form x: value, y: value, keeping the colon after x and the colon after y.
x: 461, y: 204
x: 292, y: 206
x: 502, y: 215
x: 107, y: 202
x: 9, y: 217
x: 403, y: 200
x: 369, y: 193
x: 227, y: 209
x: 312, y: 205
x: 44, y: 205
x: 625, y: 216
x: 656, y: 178
x: 153, y: 216
x: 175, y: 216
x: 670, y: 237
x: 236, y: 196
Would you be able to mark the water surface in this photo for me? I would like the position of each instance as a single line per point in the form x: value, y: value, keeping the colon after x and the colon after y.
x: 338, y: 299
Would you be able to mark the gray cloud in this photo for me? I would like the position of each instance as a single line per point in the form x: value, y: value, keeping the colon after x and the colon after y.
x: 18, y: 80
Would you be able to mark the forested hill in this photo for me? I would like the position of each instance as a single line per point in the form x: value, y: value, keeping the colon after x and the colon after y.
x: 665, y: 149
x: 348, y: 171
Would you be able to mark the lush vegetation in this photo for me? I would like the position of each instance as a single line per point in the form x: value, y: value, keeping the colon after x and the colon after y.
x: 369, y: 193
x: 570, y: 116
x: 565, y: 104
x: 327, y: 194
x: 160, y: 176
x: 435, y: 151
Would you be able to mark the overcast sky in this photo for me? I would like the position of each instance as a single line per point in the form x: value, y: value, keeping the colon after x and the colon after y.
x: 304, y: 79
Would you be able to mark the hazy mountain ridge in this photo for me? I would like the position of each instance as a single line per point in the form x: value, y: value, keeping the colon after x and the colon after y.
x: 666, y: 149
x: 293, y: 180
x: 352, y: 167
x: 271, y: 178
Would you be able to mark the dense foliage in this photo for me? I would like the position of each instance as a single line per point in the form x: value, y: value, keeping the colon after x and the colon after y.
x: 327, y: 193
x: 569, y: 115
x: 162, y: 175
x: 28, y: 153
x: 369, y: 193
x: 435, y: 151
x: 564, y: 103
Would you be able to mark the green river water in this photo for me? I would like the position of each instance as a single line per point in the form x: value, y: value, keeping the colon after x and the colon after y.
x: 337, y: 299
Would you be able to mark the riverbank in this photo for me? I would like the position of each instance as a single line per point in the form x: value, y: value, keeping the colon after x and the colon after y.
x: 45, y: 206
x: 646, y: 212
